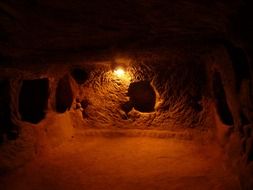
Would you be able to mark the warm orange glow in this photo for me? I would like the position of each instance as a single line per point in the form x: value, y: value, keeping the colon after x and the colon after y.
x: 119, y: 72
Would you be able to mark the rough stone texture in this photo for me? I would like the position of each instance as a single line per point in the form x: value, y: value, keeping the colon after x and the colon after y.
x: 182, y: 105
x: 63, y: 27
x: 176, y: 45
x: 183, y: 100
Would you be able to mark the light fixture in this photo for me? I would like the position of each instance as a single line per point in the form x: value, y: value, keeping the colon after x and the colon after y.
x: 119, y: 72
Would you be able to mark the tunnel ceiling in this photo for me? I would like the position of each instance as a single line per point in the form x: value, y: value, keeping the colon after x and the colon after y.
x: 48, y: 28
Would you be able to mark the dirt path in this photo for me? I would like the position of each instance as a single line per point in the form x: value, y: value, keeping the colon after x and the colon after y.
x: 125, y: 163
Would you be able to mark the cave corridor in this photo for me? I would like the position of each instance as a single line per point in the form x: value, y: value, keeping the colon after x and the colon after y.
x: 129, y: 94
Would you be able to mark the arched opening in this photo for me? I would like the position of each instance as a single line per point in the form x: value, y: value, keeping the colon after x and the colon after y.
x: 142, y: 96
x: 220, y: 100
x: 64, y: 95
x: 33, y: 99
x: 240, y: 63
x: 80, y: 75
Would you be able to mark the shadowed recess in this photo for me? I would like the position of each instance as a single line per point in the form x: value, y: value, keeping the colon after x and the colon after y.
x: 80, y: 75
x: 64, y: 95
x: 33, y: 99
x: 240, y: 64
x: 142, y: 96
x: 6, y: 125
x: 220, y: 100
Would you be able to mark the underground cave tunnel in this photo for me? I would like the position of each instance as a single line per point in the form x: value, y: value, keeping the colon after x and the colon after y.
x: 126, y: 95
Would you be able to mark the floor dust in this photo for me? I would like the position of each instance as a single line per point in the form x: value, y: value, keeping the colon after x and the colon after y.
x: 101, y: 163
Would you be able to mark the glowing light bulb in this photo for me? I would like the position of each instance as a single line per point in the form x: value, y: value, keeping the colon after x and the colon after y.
x: 119, y: 72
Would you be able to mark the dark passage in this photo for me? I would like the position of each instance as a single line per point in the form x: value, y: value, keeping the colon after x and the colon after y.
x: 79, y: 75
x: 240, y: 63
x: 64, y: 95
x: 33, y: 99
x: 142, y: 96
x: 220, y: 100
x: 7, y: 127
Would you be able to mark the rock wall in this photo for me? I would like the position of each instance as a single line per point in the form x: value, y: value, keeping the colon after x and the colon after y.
x: 234, y: 135
x: 195, y: 91
x: 57, y: 62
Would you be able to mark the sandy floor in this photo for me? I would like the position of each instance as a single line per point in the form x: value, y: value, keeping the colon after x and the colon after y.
x: 124, y: 163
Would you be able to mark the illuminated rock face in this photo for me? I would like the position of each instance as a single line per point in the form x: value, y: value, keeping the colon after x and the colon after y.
x: 33, y: 99
x: 58, y: 56
x: 190, y: 92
